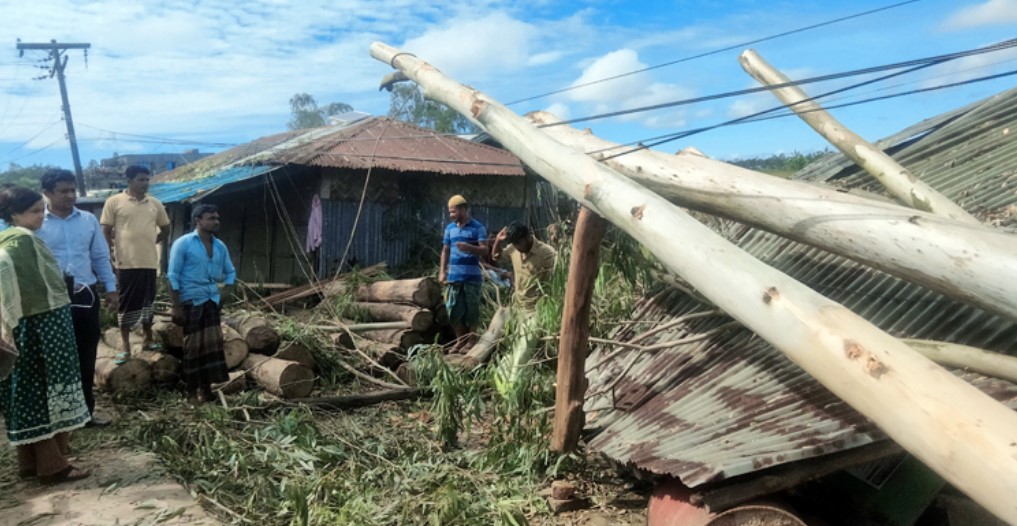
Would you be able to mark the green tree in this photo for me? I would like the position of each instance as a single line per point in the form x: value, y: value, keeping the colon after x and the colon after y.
x: 28, y: 176
x: 408, y: 104
x: 305, y: 112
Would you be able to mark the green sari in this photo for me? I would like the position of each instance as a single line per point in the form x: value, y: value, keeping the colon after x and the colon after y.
x: 43, y: 394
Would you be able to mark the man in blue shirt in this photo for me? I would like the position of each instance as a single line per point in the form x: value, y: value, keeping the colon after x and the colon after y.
x: 464, y: 244
x: 75, y: 239
x: 198, y: 262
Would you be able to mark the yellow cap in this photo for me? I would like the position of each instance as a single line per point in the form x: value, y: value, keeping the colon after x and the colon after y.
x: 456, y: 200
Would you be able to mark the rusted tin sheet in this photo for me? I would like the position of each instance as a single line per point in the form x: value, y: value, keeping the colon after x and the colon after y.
x: 731, y: 404
x: 378, y: 142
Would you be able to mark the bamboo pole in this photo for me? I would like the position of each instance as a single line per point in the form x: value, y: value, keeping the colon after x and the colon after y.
x: 897, y: 179
x: 967, y: 263
x: 575, y: 331
x: 955, y: 429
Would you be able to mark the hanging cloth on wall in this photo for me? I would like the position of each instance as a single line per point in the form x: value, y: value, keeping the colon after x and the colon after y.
x: 314, y: 226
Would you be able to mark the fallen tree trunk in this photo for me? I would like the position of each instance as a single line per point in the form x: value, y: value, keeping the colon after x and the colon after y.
x: 419, y: 319
x: 482, y: 351
x: 256, y: 330
x: 282, y: 378
x: 234, y: 347
x: 955, y: 429
x: 424, y: 292
x: 358, y: 400
x: 297, y: 352
x: 968, y: 264
x: 401, y: 338
x: 129, y: 377
x: 236, y: 383
x: 894, y: 177
x: 320, y: 288
x: 973, y: 359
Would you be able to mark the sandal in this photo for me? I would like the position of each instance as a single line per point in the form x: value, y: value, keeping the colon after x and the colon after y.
x: 68, y: 474
x: 121, y: 358
x: 154, y: 346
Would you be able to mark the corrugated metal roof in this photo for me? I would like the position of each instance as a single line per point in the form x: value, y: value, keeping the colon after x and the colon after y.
x: 380, y: 142
x: 731, y: 404
x: 193, y: 189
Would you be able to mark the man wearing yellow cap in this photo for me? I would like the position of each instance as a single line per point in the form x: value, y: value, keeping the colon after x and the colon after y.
x: 465, y: 242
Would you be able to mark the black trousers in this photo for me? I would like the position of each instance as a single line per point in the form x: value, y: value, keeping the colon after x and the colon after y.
x: 85, y: 314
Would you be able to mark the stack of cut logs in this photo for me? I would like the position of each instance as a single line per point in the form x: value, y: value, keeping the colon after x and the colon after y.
x: 402, y: 314
x: 252, y: 350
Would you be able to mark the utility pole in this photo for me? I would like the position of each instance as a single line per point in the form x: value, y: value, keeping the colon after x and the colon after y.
x: 59, y: 63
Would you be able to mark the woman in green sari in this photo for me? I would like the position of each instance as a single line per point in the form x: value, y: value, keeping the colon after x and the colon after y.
x: 42, y: 400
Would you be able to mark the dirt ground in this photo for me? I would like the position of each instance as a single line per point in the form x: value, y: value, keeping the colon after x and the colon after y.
x: 126, y: 488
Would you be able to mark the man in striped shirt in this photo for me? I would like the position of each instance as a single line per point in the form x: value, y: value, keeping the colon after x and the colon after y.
x: 465, y: 242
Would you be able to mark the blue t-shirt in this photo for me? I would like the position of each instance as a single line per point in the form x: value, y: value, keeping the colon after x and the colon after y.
x: 463, y: 267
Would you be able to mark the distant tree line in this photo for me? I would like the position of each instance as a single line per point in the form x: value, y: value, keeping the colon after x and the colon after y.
x: 407, y: 104
x: 781, y: 164
x: 29, y: 176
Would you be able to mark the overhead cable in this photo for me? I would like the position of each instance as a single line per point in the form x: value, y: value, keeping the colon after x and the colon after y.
x: 715, y: 51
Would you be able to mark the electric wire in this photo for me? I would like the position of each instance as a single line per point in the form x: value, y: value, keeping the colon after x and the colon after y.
x: 716, y: 51
x: 763, y: 115
x: 927, y: 61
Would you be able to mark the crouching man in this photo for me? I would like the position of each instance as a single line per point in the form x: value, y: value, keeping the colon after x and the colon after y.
x: 198, y: 263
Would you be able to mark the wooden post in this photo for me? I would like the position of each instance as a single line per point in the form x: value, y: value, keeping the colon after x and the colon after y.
x: 958, y: 431
x: 575, y: 330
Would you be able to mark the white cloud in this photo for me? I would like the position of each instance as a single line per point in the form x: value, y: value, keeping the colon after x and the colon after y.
x: 560, y: 110
x: 629, y: 91
x: 992, y: 12
x: 468, y: 47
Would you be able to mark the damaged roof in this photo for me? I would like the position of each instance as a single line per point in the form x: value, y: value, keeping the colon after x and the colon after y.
x: 726, y: 403
x: 378, y: 142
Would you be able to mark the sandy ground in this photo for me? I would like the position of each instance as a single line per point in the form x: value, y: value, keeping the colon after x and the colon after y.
x: 126, y: 488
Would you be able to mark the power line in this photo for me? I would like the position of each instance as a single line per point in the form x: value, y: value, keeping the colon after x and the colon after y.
x: 32, y: 138
x: 162, y: 140
x: 762, y: 116
x: 928, y: 61
x: 716, y: 51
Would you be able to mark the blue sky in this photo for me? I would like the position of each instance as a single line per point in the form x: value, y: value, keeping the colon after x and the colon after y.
x: 196, y: 73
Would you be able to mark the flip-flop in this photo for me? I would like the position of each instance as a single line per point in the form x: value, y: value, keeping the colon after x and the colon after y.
x: 68, y: 474
x: 121, y: 358
x: 154, y: 346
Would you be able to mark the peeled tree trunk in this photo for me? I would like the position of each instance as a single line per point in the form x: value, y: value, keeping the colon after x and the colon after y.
x: 418, y: 318
x: 898, y: 180
x: 961, y: 433
x: 968, y: 263
x: 424, y: 292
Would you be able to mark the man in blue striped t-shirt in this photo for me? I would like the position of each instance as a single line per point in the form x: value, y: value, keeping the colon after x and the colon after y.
x: 464, y: 244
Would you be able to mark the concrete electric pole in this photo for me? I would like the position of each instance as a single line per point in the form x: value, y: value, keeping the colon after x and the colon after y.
x: 59, y: 63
